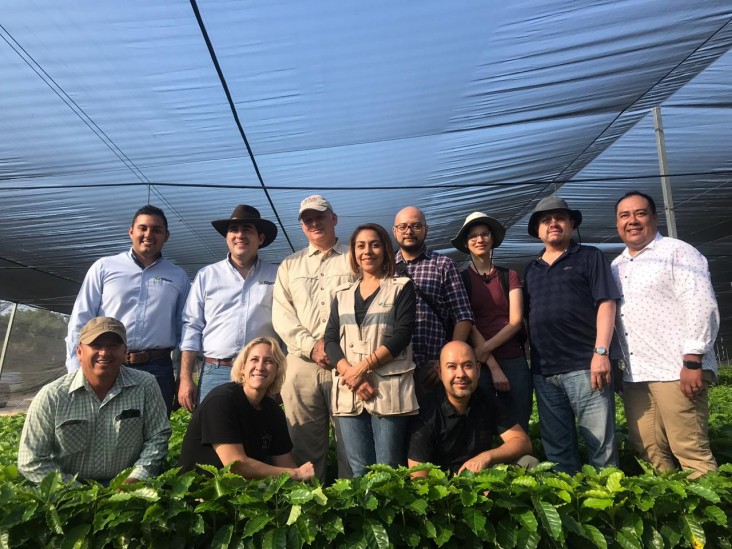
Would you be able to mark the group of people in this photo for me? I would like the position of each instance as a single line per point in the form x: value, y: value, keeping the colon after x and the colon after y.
x: 404, y: 358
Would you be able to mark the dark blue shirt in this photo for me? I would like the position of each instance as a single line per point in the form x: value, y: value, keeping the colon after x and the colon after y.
x: 561, y: 303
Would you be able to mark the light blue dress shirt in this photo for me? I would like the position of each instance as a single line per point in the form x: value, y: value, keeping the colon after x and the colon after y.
x: 148, y: 301
x: 225, y: 311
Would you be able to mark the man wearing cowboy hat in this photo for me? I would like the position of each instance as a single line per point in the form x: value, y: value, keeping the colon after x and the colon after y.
x: 570, y: 301
x: 230, y: 304
x: 144, y: 291
x: 497, y: 302
x: 96, y: 421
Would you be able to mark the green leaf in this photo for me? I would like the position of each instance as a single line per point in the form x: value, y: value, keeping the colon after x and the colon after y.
x: 474, y: 519
x: 146, y: 493
x: 53, y: 520
x: 693, y: 531
x: 430, y: 529
x: 672, y: 534
x: 597, y: 503
x: 76, y: 537
x: 222, y: 538
x: 704, y: 492
x: 555, y: 482
x: 614, y: 481
x: 506, y: 535
x: 300, y: 495
x: 528, y: 539
x: 444, y: 534
x: 468, y: 498
x: 275, y: 539
x: 626, y: 538
x: 210, y: 506
x: 550, y: 519
x: 716, y: 514
x: 419, y: 506
x: 526, y: 481
x: 295, y: 512
x: 595, y: 536
x: 333, y: 528
x: 319, y: 497
x: 255, y: 524
x: 652, y: 538
x: 375, y: 534
x: 528, y: 519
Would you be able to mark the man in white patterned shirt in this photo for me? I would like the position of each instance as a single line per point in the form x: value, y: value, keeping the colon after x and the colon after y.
x: 668, y: 320
x: 99, y: 420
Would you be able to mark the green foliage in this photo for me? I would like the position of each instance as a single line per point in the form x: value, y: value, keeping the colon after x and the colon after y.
x: 499, y: 507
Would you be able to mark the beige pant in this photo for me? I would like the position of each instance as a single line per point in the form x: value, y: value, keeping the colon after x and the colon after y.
x: 306, y: 395
x: 663, y: 424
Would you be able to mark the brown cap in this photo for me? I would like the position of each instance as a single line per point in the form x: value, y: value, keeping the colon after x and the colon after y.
x: 102, y: 325
x: 314, y: 202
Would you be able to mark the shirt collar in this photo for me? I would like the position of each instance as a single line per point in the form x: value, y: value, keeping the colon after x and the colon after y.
x: 339, y: 248
x: 651, y: 245
x: 426, y: 253
x: 449, y: 410
x: 137, y: 261
x: 254, y: 269
x: 124, y: 379
x: 573, y: 248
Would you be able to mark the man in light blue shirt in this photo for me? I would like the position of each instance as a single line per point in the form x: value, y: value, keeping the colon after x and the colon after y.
x: 229, y: 305
x: 145, y: 292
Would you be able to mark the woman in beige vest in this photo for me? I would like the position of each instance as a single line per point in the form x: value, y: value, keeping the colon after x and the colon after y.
x: 368, y: 338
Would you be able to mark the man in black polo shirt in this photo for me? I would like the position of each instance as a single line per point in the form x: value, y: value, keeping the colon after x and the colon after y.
x: 570, y: 300
x: 456, y: 429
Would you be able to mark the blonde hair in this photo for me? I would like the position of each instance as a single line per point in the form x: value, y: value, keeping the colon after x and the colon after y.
x: 237, y: 368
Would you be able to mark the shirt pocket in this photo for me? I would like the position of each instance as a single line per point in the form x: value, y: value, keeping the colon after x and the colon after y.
x: 128, y: 432
x: 72, y: 436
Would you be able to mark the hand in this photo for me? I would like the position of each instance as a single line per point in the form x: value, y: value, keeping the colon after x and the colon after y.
x: 430, y: 374
x: 500, y: 381
x: 691, y: 383
x: 365, y: 391
x: 600, y: 372
x: 318, y: 355
x: 352, y: 377
x: 477, y: 464
x: 306, y: 471
x: 187, y: 394
x: 483, y: 352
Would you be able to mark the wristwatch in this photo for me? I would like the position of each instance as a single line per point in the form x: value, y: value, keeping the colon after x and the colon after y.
x: 602, y: 351
x: 692, y: 365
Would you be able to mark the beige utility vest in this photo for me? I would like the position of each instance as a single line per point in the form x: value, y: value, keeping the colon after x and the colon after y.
x: 394, y: 381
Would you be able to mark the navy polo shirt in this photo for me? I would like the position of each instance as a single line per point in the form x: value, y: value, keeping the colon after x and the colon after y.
x: 561, y: 303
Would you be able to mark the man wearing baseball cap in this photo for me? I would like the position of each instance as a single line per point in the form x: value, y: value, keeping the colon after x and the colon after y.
x: 99, y: 420
x: 570, y: 302
x: 230, y: 304
x: 303, y: 293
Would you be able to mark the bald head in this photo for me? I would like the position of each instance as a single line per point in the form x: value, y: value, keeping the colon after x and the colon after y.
x: 459, y: 372
x: 410, y: 231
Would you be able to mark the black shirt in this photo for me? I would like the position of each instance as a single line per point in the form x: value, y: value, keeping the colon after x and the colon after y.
x: 227, y: 417
x: 440, y: 435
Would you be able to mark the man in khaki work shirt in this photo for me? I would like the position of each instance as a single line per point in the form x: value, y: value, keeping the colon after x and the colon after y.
x: 303, y: 292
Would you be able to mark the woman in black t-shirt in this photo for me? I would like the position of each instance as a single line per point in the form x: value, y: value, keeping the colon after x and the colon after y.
x: 239, y: 424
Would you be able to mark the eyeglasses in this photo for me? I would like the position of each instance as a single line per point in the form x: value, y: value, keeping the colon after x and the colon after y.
x: 402, y: 227
x: 484, y: 236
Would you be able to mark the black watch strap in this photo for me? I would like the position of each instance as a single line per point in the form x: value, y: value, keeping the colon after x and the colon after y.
x: 691, y: 365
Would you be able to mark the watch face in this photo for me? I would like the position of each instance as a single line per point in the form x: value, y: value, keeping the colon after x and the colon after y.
x: 601, y: 351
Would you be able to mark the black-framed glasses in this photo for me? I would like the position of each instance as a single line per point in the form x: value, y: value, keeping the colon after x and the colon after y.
x: 402, y: 227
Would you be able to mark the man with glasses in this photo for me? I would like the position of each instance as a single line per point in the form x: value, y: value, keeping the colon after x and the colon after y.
x: 443, y: 308
x: 570, y: 301
x: 303, y: 293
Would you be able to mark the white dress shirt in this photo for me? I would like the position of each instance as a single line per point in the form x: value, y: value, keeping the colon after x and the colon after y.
x: 147, y: 300
x: 668, y: 309
x: 225, y: 311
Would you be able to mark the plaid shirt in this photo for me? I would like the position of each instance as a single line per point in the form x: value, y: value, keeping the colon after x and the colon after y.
x: 437, y: 277
x: 69, y: 430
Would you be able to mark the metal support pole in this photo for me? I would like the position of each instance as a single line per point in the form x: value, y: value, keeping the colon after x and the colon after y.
x: 668, y: 199
x: 7, y: 337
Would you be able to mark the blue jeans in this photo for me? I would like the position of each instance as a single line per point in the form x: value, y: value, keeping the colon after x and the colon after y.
x: 374, y: 439
x: 162, y: 369
x: 212, y: 375
x: 565, y: 398
x: 518, y: 401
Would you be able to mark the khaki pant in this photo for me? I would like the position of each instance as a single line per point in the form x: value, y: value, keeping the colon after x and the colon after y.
x: 306, y: 395
x: 665, y: 425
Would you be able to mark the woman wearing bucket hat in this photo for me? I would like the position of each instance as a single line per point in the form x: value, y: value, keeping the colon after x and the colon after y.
x: 497, y: 302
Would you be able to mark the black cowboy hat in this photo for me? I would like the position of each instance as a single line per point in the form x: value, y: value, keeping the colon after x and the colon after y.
x: 248, y: 214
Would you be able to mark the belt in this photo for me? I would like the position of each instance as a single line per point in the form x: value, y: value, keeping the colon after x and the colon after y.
x: 218, y: 361
x: 140, y: 357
